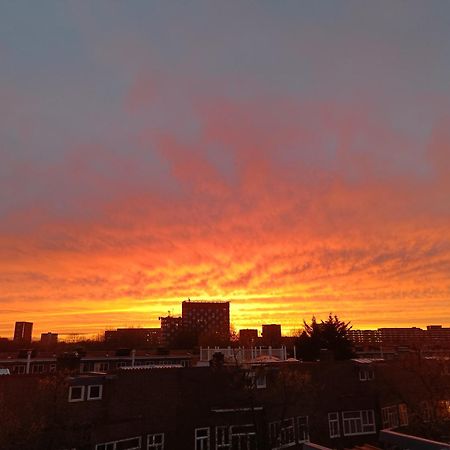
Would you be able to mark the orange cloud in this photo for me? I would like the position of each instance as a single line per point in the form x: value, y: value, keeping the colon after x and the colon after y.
x: 287, y: 209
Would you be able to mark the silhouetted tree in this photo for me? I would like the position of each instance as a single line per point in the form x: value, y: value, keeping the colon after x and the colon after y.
x: 331, y: 335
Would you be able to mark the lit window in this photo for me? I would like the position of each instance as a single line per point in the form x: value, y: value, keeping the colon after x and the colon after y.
x: 444, y: 409
x: 202, y: 439
x: 333, y: 425
x: 95, y: 392
x: 155, y: 441
x: 76, y: 393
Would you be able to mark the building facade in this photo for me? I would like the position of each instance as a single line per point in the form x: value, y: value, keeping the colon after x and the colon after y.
x: 49, y: 339
x: 23, y: 333
x: 134, y: 337
x: 264, y: 407
x: 170, y: 330
x: 210, y: 321
x: 248, y: 337
x: 271, y: 335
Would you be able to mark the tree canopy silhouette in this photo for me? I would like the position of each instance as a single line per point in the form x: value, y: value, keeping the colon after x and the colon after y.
x: 331, y: 335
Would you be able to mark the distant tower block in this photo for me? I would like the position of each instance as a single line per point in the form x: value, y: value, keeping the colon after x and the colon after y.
x: 271, y: 335
x: 23, y: 332
x: 49, y: 339
x: 248, y: 337
x: 207, y: 318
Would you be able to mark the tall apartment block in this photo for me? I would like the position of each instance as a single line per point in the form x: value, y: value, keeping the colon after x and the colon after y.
x: 248, y: 337
x: 49, y: 339
x: 271, y: 335
x: 23, y: 332
x: 170, y: 329
x: 209, y: 319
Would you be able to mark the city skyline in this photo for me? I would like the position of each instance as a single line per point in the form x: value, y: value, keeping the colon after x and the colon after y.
x: 259, y: 327
x: 292, y: 158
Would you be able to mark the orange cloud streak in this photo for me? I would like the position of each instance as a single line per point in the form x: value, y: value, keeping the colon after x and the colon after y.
x: 286, y: 209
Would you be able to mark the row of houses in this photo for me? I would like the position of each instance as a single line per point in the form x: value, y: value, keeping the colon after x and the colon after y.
x: 33, y: 362
x: 265, y: 404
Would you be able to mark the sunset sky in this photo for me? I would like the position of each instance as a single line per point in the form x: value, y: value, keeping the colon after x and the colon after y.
x: 292, y: 157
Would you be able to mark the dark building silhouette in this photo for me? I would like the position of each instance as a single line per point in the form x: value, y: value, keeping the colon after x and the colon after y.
x: 336, y: 404
x: 134, y: 337
x: 438, y: 335
x: 248, y: 337
x: 170, y: 330
x: 49, y: 339
x: 271, y: 335
x: 47, y: 362
x: 435, y: 336
x: 209, y: 321
x: 23, y: 332
x: 401, y: 336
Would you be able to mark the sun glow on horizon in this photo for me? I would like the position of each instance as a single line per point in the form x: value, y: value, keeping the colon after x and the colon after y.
x: 157, y: 156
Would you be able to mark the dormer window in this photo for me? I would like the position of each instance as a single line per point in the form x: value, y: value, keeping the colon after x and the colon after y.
x: 76, y: 393
x: 95, y: 392
x: 80, y: 393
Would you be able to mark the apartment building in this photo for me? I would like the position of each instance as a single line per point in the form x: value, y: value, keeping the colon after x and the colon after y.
x: 271, y: 406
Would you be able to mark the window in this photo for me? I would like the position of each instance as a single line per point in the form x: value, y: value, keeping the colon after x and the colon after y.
x: 124, y: 444
x: 261, y: 380
x: 282, y: 434
x: 358, y: 422
x: 76, y: 393
x: 389, y: 416
x: 108, y: 446
x: 222, y: 437
x: 333, y: 424
x: 37, y: 368
x: 403, y: 414
x: 19, y: 369
x: 444, y: 409
x: 243, y: 437
x: 274, y: 433
x: 287, y: 433
x: 87, y: 367
x: 202, y: 439
x: 427, y: 411
x: 95, y: 392
x: 101, y: 367
x: 366, y: 374
x: 257, y: 379
x: 155, y: 441
x: 303, y: 429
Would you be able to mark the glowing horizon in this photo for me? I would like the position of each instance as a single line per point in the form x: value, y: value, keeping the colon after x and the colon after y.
x: 293, y: 159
